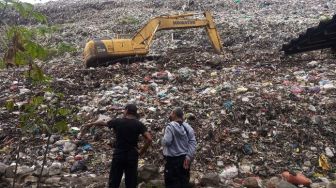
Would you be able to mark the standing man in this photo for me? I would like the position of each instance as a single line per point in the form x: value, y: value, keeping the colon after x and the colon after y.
x: 126, y: 153
x: 179, y: 144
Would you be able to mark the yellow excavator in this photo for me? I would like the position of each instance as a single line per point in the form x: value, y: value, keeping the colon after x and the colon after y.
x: 98, y: 52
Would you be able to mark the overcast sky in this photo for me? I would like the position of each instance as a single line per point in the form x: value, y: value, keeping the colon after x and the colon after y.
x: 36, y: 1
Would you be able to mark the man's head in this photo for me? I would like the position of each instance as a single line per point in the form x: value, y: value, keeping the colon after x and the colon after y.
x: 131, y: 109
x: 176, y: 114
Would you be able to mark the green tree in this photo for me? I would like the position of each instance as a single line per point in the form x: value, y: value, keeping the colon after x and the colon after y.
x: 19, y: 42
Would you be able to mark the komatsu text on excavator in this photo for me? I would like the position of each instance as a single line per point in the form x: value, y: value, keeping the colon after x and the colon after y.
x: 98, y: 52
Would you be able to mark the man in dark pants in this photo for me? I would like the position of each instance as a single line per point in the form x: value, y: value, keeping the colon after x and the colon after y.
x: 179, y: 144
x: 125, y: 155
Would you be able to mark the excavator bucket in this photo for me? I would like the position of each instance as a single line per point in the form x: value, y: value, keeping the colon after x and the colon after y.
x: 315, y: 38
x: 213, y: 34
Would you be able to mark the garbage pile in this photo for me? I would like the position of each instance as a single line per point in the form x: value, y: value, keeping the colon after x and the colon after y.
x: 261, y: 119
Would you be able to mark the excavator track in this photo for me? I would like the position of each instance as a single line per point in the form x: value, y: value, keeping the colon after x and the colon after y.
x: 111, y: 61
x: 315, y: 38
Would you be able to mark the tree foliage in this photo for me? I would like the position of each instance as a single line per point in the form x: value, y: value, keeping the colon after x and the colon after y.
x: 25, y: 10
x: 44, y: 110
x: 41, y: 115
x: 23, y: 49
x: 20, y: 42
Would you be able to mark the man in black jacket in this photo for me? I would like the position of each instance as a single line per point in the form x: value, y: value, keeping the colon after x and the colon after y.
x: 126, y: 153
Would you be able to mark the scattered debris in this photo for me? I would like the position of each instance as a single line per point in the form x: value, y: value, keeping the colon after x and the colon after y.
x: 255, y: 113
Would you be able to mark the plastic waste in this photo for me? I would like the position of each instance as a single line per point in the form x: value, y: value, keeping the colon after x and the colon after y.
x: 78, y: 157
x: 241, y: 89
x: 296, y: 90
x: 229, y: 173
x: 324, y: 82
x: 323, y: 162
x: 74, y: 130
x: 213, y: 74
x: 78, y: 166
x: 315, y: 89
x: 247, y: 149
x: 87, y: 147
x: 163, y: 75
x: 184, y: 73
x: 228, y: 105
x: 296, y: 179
x: 329, y: 152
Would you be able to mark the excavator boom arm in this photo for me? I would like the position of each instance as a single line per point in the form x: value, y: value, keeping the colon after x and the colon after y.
x: 146, y: 34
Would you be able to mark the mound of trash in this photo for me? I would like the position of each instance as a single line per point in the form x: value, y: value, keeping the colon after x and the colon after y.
x: 257, y: 114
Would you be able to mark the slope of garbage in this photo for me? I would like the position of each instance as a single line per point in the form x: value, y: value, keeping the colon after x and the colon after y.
x: 256, y: 112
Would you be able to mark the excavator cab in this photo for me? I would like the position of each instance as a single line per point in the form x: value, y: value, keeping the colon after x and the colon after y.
x: 98, y: 52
